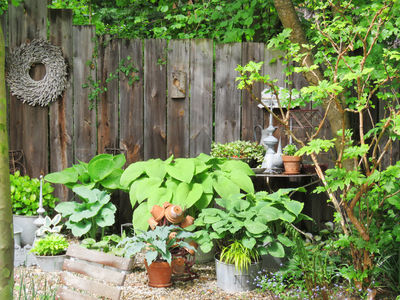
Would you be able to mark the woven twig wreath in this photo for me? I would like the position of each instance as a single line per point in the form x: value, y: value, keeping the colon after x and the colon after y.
x: 37, y: 92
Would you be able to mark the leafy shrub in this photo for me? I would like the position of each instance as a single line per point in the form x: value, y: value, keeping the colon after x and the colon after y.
x: 25, y: 195
x: 102, y: 172
x: 187, y: 182
x: 84, y: 218
x: 249, y: 151
x: 52, y: 244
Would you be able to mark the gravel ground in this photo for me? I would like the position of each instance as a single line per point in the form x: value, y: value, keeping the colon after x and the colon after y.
x: 204, y: 287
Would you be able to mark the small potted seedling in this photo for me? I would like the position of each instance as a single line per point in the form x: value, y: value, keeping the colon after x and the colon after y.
x: 291, y: 162
x: 50, y: 249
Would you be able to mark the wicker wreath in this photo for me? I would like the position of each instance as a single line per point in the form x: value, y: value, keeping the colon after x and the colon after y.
x: 36, y: 92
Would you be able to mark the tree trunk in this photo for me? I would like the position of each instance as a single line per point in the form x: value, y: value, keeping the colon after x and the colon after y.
x: 289, y: 19
x: 6, y: 228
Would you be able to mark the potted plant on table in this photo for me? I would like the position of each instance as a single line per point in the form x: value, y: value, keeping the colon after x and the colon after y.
x: 291, y: 161
x: 24, y: 193
x: 249, y: 152
x: 159, y: 245
x: 244, y: 229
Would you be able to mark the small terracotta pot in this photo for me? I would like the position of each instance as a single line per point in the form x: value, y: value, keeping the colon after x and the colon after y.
x: 166, y: 204
x: 174, y: 214
x: 157, y: 212
x: 187, y: 221
x: 194, y: 245
x: 292, y: 164
x: 159, y: 273
x: 152, y: 222
x: 178, y: 265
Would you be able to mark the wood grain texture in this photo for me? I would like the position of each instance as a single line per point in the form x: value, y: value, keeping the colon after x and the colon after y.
x: 108, y: 105
x: 91, y: 286
x: 66, y: 294
x: 29, y: 125
x: 201, y: 98
x: 131, y: 102
x: 155, y: 106
x: 178, y: 108
x: 85, y: 138
x: 251, y: 114
x: 100, y: 257
x: 227, y: 96
x: 96, y: 272
x: 61, y: 123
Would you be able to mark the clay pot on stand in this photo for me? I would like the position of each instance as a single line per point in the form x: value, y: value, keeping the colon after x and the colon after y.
x: 292, y: 164
x: 159, y: 273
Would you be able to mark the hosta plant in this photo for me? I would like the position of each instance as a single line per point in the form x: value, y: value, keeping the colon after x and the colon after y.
x: 188, y: 182
x: 25, y: 195
x: 251, y: 152
x: 102, y: 172
x: 94, y: 211
x: 108, y: 244
x: 158, y: 243
x: 50, y: 245
x: 255, y: 221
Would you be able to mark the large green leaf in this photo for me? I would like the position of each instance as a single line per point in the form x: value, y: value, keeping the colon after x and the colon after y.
x: 249, y: 242
x: 81, y: 228
x: 112, y: 181
x: 140, y: 216
x: 146, y: 186
x: 200, y: 166
x: 294, y: 206
x: 206, y: 181
x: 196, y: 190
x: 276, y: 249
x: 158, y: 197
x: 242, y: 180
x: 132, y: 172
x: 225, y: 187
x: 204, y: 201
x: 182, y: 169
x: 106, y: 217
x: 271, y: 213
x: 255, y: 227
x: 100, y: 168
x: 237, y: 166
x: 65, y: 176
x: 181, y: 194
x: 66, y: 208
x: 287, y: 216
x: 155, y: 168
x: 119, y: 161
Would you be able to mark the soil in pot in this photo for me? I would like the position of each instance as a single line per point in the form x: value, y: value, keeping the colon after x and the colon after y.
x: 159, y: 273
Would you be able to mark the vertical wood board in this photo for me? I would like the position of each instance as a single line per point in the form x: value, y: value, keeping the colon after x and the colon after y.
x: 178, y: 108
x: 108, y: 106
x: 155, y: 83
x: 131, y: 102
x: 251, y: 114
x: 227, y: 96
x: 61, y: 111
x: 84, y: 118
x: 201, y: 98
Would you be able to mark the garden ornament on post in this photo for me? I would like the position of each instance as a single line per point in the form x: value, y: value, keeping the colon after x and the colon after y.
x: 36, y: 92
x: 183, y: 258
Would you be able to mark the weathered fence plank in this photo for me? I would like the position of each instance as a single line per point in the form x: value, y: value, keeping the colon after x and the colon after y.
x: 155, y: 105
x: 251, y: 114
x: 84, y: 118
x: 227, y: 96
x: 201, y: 99
x: 29, y: 125
x: 108, y: 106
x: 61, y: 111
x: 178, y: 99
x: 131, y: 102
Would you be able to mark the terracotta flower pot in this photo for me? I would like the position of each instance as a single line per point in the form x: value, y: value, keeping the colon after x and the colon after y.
x: 174, y: 214
x: 152, y: 222
x: 159, y: 273
x: 187, y: 221
x: 157, y: 212
x: 292, y: 164
x: 194, y: 245
x: 178, y: 265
